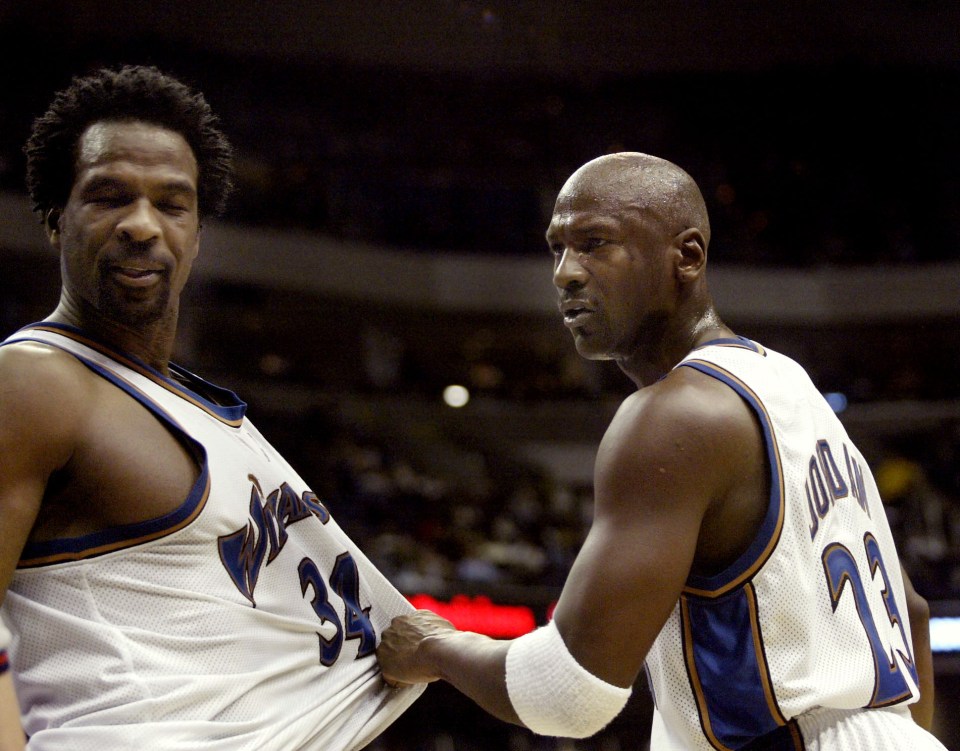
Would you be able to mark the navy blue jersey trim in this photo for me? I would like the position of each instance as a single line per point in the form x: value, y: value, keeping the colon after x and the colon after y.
x: 727, y: 667
x: 105, y: 541
x: 110, y: 540
x: 769, y: 532
x: 226, y: 406
x: 740, y: 342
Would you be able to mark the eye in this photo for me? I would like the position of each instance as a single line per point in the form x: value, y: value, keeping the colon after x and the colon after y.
x: 108, y: 200
x: 172, y: 207
x: 593, y: 243
x: 556, y: 248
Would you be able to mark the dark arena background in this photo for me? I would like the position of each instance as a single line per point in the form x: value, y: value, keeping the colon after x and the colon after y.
x: 397, y: 164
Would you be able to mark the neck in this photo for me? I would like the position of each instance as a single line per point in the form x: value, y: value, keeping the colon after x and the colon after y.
x: 151, y: 342
x: 653, y: 363
x: 707, y: 328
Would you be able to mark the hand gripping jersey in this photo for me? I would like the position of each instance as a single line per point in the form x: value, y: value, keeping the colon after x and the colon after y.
x: 809, y: 626
x: 244, y: 619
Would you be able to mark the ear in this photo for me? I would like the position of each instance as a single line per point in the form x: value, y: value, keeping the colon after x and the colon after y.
x: 51, y: 223
x: 693, y: 254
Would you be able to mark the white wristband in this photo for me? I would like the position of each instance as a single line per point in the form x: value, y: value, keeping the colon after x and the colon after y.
x: 552, y: 693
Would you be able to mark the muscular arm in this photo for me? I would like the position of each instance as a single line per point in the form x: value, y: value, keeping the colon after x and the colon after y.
x: 39, y: 392
x: 668, y: 462
x: 668, y: 453
x: 919, y: 614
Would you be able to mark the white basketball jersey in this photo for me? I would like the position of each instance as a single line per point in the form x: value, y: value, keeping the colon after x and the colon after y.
x: 244, y: 619
x: 813, y: 614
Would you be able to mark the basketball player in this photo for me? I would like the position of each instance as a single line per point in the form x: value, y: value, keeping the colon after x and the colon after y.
x: 739, y: 548
x: 168, y: 579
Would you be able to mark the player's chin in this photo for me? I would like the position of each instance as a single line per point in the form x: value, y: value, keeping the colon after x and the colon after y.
x: 591, y: 347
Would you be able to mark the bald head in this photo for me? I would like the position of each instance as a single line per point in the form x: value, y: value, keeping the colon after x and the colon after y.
x: 653, y: 187
x: 628, y: 238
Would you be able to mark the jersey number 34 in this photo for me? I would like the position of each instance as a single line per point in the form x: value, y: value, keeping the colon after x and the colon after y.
x: 356, y: 624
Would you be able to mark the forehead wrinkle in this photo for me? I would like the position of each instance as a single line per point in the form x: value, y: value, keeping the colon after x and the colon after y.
x: 581, y: 222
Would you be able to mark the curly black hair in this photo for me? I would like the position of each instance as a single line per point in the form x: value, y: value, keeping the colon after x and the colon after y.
x: 132, y: 92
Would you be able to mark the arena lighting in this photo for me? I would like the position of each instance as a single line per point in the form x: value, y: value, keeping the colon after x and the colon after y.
x: 836, y: 400
x: 456, y: 396
x: 945, y: 634
x: 480, y: 615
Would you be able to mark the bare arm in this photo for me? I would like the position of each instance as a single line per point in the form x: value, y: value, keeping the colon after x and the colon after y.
x: 11, y: 735
x: 918, y: 611
x: 658, y: 468
x: 664, y: 465
x: 39, y: 391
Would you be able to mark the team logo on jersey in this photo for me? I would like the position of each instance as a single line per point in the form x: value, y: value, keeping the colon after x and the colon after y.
x: 245, y: 551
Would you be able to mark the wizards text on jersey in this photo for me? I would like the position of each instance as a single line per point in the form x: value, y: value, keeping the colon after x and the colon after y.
x: 243, y: 552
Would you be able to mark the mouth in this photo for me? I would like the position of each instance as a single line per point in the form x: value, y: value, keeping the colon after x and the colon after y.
x: 134, y: 275
x: 574, y: 311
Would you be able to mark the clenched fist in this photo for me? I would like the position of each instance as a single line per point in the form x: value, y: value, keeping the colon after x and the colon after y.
x: 404, y: 652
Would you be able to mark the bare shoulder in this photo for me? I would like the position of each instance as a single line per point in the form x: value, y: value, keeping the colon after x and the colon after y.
x: 43, y: 392
x: 43, y: 406
x: 32, y: 367
x: 686, y: 410
x: 686, y: 436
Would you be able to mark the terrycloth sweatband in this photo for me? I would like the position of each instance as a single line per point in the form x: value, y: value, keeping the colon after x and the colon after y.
x: 552, y: 693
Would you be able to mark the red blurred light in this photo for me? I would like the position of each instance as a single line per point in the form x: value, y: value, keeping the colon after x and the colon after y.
x: 480, y: 615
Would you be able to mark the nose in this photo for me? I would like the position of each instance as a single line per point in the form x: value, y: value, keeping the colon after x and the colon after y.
x: 568, y: 271
x: 139, y: 224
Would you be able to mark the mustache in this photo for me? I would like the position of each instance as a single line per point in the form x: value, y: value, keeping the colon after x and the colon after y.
x: 567, y: 300
x: 134, y: 255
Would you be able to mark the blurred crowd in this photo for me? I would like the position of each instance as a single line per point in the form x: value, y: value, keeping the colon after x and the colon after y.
x: 519, y: 527
x: 783, y: 159
x: 800, y: 167
x: 919, y: 479
x: 509, y: 527
x: 364, y: 346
